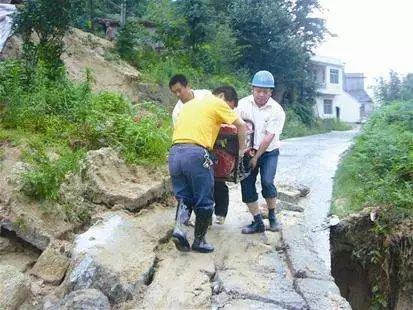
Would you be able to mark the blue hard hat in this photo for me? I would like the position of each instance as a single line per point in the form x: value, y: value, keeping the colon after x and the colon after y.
x: 263, y: 79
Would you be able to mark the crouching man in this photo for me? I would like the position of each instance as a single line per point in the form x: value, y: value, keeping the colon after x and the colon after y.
x: 190, y: 163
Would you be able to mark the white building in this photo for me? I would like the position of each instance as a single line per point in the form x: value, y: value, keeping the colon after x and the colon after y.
x: 332, y: 100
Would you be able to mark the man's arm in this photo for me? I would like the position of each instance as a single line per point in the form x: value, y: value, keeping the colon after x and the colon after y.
x: 242, y: 134
x: 263, y: 146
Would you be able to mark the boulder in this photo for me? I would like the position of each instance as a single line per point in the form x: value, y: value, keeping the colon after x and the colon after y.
x: 14, y: 287
x: 87, y: 299
x: 116, y: 255
x: 109, y: 181
x: 51, y: 266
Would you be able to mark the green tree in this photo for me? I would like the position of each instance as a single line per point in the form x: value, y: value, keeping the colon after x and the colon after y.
x: 407, y: 87
x: 278, y: 36
x: 394, y: 86
x: 42, y: 25
x: 199, y: 18
x: 381, y: 91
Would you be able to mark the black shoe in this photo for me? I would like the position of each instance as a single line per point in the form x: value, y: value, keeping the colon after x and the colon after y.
x: 179, y: 233
x: 201, y: 227
x: 253, y: 228
x: 274, y: 225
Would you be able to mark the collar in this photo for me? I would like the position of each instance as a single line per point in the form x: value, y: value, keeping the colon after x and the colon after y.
x: 269, y: 103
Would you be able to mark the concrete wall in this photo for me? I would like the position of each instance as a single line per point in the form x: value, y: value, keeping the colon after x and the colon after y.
x: 322, y: 75
x: 349, y: 108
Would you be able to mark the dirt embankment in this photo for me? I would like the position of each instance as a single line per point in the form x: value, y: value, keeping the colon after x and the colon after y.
x: 373, y: 269
x: 85, y: 50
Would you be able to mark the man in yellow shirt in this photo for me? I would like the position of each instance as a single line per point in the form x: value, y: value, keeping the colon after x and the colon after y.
x: 190, y: 164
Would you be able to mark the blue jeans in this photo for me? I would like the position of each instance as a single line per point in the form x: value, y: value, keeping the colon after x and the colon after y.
x: 267, y: 166
x: 190, y: 167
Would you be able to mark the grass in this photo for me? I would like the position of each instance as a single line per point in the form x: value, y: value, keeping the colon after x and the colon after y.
x: 57, y: 121
x: 294, y: 127
x: 378, y: 170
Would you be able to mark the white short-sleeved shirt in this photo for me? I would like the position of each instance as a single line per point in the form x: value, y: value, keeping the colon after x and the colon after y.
x: 268, y: 118
x: 198, y: 93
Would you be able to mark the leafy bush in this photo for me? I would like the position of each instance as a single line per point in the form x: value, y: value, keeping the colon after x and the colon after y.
x: 295, y: 127
x: 378, y: 169
x: 65, y: 118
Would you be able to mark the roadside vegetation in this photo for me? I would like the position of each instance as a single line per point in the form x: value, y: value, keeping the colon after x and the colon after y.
x: 56, y: 121
x: 377, y: 173
x: 378, y: 169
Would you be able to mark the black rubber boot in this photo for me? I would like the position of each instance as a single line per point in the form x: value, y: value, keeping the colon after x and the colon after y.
x: 253, y: 228
x: 179, y: 234
x: 187, y: 214
x: 274, y: 225
x: 201, y: 227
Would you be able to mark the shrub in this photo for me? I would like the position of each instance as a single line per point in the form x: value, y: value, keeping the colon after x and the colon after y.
x: 378, y: 169
x: 62, y: 117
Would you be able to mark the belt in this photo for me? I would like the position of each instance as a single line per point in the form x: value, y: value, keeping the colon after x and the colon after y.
x: 190, y: 144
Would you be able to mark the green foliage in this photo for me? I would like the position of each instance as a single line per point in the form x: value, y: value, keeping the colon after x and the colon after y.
x: 198, y: 15
x: 43, y: 180
x: 64, y: 118
x: 394, y: 88
x: 378, y: 170
x: 277, y: 36
x: 295, y: 127
x: 42, y: 26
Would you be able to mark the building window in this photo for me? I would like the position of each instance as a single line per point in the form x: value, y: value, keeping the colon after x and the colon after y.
x: 333, y: 76
x: 328, y: 106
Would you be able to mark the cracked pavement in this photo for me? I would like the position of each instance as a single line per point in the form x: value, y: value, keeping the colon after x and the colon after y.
x: 273, y: 270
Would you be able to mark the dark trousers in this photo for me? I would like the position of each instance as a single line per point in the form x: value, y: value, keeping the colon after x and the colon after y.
x: 192, y: 177
x: 221, y: 198
x: 267, y: 166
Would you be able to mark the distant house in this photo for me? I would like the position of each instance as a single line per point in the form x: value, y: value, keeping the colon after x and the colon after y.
x: 354, y: 85
x: 333, y: 101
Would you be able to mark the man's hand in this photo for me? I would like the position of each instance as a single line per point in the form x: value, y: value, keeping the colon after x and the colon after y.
x: 253, y: 162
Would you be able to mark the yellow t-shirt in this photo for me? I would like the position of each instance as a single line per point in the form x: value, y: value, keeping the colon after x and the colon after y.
x: 200, y: 120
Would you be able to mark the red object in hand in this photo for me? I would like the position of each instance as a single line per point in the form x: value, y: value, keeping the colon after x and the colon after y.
x: 225, y: 163
x: 228, y: 130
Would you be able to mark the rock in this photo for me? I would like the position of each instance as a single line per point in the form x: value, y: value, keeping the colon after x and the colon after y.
x: 14, y: 287
x: 15, y: 178
x: 288, y: 193
x: 157, y: 93
x: 5, y: 245
x: 220, y: 300
x: 191, y: 278
x: 51, y: 266
x: 109, y: 181
x: 258, y: 274
x: 116, y: 255
x: 305, y: 261
x: 86, y: 299
x: 321, y: 294
x: 283, y: 205
x: 253, y: 304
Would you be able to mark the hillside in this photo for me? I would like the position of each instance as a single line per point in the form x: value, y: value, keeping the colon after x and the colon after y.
x: 111, y: 73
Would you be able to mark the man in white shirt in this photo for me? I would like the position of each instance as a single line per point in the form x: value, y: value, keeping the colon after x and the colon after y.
x: 180, y: 87
x: 268, y: 117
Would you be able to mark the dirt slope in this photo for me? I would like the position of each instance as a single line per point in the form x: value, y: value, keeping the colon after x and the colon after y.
x: 85, y: 50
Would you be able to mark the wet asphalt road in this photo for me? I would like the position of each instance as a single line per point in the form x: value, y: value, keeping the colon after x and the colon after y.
x: 312, y: 161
